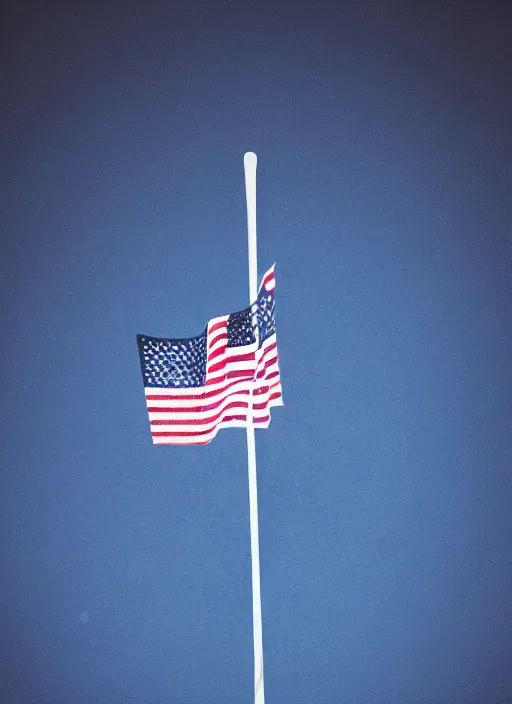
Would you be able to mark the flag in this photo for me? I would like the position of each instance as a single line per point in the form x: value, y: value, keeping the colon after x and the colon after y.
x: 196, y: 386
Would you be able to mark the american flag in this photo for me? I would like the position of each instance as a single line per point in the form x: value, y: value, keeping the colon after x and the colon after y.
x: 198, y: 385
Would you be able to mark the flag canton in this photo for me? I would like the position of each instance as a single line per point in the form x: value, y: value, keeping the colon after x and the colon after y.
x: 240, y: 330
x: 265, y: 314
x: 171, y: 363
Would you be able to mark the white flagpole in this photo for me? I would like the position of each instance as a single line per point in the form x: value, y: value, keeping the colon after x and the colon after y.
x: 250, y: 162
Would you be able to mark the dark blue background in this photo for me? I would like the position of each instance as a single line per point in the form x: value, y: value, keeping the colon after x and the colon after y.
x: 385, y: 484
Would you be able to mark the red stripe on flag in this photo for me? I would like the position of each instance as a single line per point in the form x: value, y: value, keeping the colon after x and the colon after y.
x: 219, y: 325
x: 216, y: 339
x: 202, y: 421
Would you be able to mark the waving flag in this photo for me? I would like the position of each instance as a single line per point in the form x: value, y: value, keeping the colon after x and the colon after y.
x: 198, y: 385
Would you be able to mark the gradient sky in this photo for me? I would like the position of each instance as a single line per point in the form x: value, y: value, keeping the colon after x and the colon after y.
x: 382, y: 131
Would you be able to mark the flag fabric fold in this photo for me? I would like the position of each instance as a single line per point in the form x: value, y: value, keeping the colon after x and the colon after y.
x: 196, y: 386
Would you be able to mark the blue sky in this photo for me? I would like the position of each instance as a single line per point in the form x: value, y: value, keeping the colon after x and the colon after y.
x: 384, y: 482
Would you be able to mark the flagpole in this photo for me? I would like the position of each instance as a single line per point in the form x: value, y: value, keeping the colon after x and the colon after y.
x: 250, y: 162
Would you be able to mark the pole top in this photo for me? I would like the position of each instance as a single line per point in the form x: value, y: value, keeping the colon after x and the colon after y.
x: 250, y: 159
